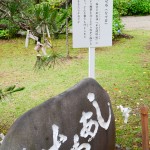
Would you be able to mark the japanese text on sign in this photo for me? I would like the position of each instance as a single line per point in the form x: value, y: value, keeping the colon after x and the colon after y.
x: 92, y: 23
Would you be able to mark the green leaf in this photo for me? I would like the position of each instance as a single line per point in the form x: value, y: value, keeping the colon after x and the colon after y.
x: 18, y: 89
x: 10, y: 88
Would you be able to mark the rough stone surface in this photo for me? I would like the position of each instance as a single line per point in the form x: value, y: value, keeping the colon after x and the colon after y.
x: 33, y: 130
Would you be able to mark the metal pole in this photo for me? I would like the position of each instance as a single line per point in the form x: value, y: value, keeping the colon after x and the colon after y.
x: 144, y: 121
x: 91, y: 62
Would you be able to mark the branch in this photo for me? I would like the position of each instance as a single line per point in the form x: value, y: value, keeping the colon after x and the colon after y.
x: 3, y: 3
x: 63, y: 5
x: 27, y: 18
x: 3, y: 26
x: 5, y: 13
x: 62, y: 26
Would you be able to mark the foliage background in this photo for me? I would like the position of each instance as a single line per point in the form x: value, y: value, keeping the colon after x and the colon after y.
x: 132, y: 7
x: 29, y: 14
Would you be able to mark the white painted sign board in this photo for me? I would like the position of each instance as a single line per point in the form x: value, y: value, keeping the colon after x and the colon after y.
x: 92, y: 23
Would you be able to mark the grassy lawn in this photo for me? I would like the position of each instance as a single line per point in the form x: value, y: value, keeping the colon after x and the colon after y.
x: 123, y: 70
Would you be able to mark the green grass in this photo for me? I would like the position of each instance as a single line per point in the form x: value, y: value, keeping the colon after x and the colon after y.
x: 123, y: 70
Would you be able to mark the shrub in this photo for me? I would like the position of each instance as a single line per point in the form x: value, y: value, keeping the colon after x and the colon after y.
x: 139, y: 7
x: 4, y: 34
x: 9, y: 31
x: 132, y: 7
x: 13, y: 30
x: 121, y: 6
x: 117, y: 24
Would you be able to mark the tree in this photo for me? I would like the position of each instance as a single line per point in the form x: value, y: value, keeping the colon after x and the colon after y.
x: 28, y: 14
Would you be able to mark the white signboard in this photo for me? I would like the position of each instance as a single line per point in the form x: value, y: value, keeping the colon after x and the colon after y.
x: 92, y: 23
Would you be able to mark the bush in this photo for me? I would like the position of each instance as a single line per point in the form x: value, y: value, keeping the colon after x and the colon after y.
x: 4, y: 34
x: 13, y: 30
x: 10, y: 31
x: 139, y: 7
x: 132, y: 7
x: 117, y: 24
x: 121, y: 6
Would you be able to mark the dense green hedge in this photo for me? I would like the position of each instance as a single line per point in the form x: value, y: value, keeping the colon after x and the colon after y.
x: 132, y: 7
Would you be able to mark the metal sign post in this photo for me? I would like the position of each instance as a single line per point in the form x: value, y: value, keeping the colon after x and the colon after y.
x: 91, y: 62
x: 92, y: 26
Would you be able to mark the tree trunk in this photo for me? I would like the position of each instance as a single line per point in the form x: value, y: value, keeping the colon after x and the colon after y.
x: 37, y: 1
x: 3, y: 26
x: 67, y: 43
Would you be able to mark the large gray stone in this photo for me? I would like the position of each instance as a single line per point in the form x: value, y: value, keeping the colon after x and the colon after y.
x: 66, y: 113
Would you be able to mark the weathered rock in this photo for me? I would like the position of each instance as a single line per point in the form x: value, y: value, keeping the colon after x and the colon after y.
x: 67, y: 121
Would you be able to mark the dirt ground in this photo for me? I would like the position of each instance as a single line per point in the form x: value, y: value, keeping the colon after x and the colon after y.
x: 136, y: 22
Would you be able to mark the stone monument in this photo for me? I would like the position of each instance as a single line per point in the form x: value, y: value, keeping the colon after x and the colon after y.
x: 80, y: 118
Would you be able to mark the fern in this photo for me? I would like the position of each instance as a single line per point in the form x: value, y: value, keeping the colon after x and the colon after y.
x: 48, y: 61
x: 10, y: 88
